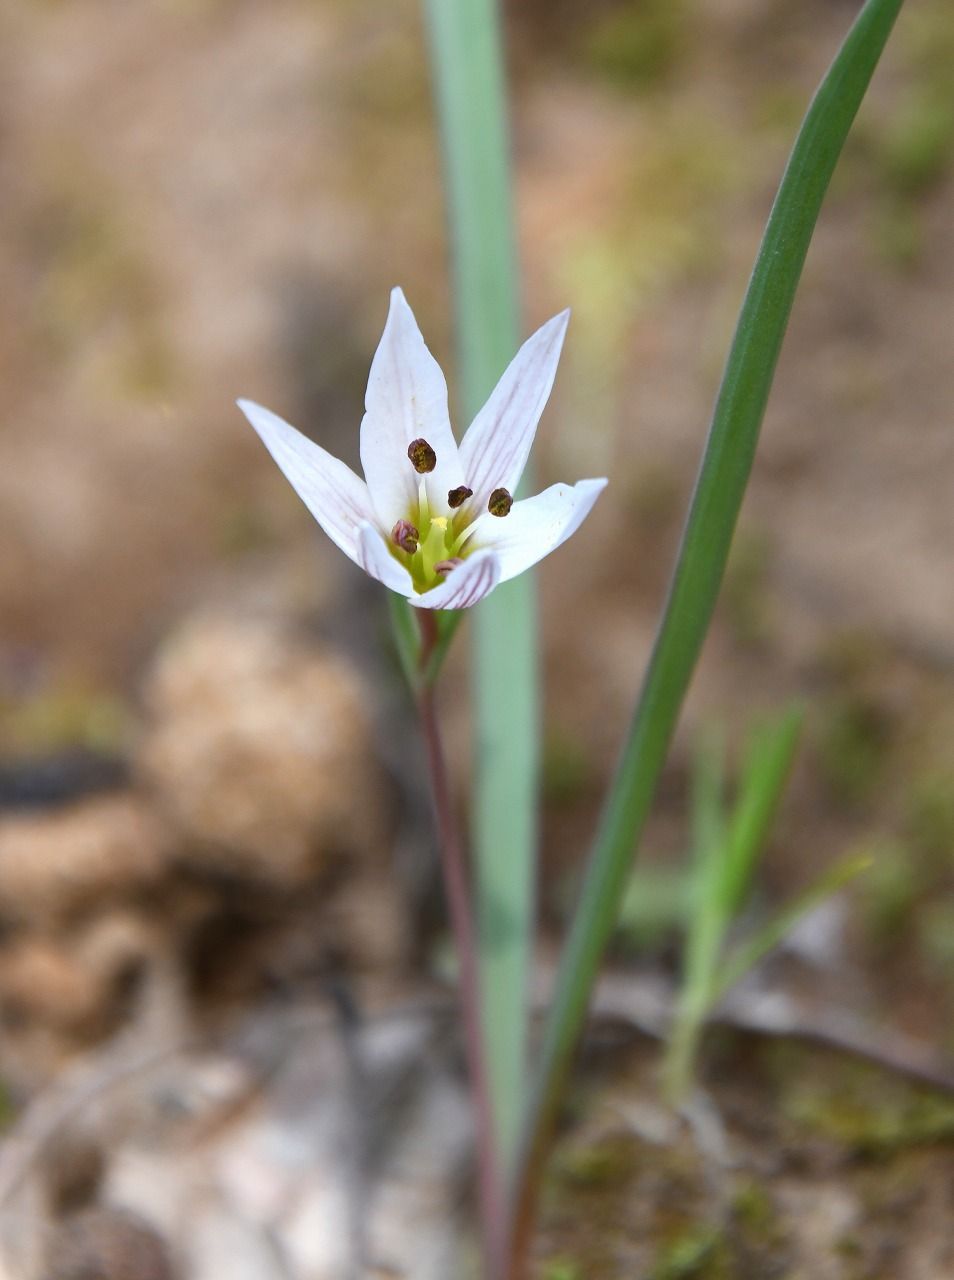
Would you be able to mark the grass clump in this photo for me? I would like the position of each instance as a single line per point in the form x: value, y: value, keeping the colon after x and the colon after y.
x: 698, y: 1252
x: 637, y: 46
x: 745, y: 593
x: 562, y: 1269
x: 853, y: 744
x: 608, y: 1163
x: 931, y: 817
x: 916, y: 149
x: 890, y: 891
x: 96, y: 277
x: 63, y: 717
x: 870, y: 1114
x: 566, y: 770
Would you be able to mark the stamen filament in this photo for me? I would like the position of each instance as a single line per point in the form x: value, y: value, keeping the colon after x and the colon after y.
x: 424, y: 506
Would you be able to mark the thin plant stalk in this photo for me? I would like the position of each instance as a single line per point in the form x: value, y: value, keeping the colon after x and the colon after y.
x: 470, y: 88
x: 706, y: 920
x: 726, y: 850
x: 700, y: 565
x: 460, y: 910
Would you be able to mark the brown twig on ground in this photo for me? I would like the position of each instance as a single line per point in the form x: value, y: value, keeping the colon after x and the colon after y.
x: 647, y: 1005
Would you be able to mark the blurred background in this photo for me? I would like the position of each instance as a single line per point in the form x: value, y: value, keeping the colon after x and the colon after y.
x: 211, y: 822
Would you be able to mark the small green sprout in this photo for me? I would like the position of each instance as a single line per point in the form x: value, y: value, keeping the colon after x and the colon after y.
x: 727, y: 846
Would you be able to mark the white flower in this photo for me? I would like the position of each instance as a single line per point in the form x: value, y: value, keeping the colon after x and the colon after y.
x: 432, y: 521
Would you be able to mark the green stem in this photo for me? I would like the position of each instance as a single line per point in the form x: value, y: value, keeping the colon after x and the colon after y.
x: 708, y: 920
x: 467, y: 60
x: 457, y: 893
x: 679, y: 1062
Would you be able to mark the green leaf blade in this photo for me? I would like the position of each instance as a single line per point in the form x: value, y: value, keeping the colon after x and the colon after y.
x: 702, y: 557
x: 467, y: 60
x: 747, y: 954
x: 768, y: 765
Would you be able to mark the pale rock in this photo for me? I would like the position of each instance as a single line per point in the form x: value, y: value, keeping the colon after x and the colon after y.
x: 222, y: 1244
x: 106, y: 1244
x: 60, y: 993
x: 82, y: 858
x: 41, y: 983
x: 259, y: 752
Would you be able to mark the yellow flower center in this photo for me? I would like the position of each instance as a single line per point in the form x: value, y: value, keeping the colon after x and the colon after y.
x: 437, y: 545
x: 430, y: 546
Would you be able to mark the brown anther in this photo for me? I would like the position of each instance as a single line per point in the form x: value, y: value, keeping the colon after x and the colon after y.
x: 445, y: 566
x: 423, y: 458
x: 457, y: 497
x: 499, y: 503
x: 405, y: 536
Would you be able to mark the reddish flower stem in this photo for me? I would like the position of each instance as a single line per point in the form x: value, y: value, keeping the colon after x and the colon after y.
x: 457, y: 891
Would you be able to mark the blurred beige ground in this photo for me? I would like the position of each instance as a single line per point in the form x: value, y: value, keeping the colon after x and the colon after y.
x: 210, y: 198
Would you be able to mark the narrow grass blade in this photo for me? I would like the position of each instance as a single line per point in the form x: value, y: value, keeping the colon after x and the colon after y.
x: 766, y: 771
x: 718, y: 496
x: 469, y: 79
x: 706, y: 923
x: 708, y: 803
x: 725, y: 857
x: 656, y: 905
x: 707, y: 920
x: 748, y: 953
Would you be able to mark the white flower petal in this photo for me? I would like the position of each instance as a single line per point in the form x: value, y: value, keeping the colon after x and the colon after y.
x: 494, y: 451
x: 536, y: 526
x: 463, y: 586
x: 406, y: 400
x: 335, y: 496
x: 374, y: 558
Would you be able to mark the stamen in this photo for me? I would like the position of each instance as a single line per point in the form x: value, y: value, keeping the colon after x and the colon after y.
x: 499, y: 503
x: 422, y: 456
x: 457, y: 497
x: 445, y: 566
x: 424, y: 508
x: 405, y: 536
